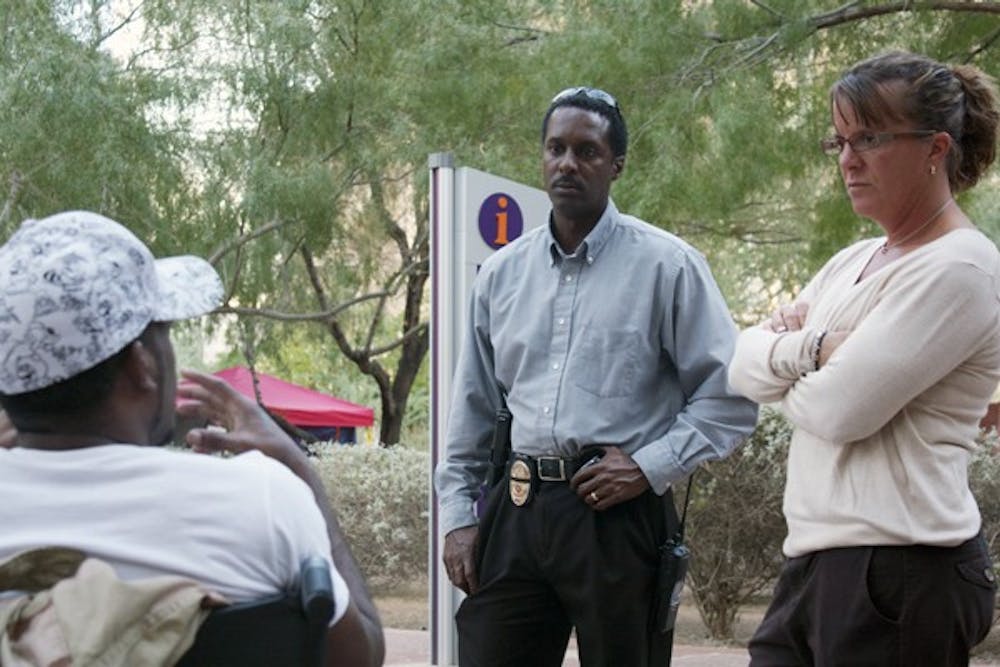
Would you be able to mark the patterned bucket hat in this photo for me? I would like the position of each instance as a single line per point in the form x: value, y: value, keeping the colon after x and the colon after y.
x: 76, y: 288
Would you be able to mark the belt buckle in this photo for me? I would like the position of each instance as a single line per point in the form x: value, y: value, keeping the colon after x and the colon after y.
x: 545, y: 471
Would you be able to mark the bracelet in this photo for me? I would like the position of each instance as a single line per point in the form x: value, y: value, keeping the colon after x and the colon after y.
x: 816, y: 347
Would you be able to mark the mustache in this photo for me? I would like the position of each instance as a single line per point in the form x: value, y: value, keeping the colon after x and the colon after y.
x: 566, y: 181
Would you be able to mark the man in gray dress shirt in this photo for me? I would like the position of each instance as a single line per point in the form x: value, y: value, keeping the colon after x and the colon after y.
x: 609, y: 339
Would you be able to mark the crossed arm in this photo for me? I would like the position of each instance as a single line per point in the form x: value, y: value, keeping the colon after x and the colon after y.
x: 916, y: 333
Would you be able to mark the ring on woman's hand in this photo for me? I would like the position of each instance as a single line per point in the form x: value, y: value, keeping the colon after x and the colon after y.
x: 593, y: 496
x: 781, y: 328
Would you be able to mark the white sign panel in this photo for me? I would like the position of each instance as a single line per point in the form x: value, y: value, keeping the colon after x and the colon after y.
x: 472, y: 215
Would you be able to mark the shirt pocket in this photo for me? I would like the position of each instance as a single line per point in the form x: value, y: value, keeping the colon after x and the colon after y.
x: 605, y: 363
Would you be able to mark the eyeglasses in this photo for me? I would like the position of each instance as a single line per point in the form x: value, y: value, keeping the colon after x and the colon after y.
x: 593, y: 93
x: 866, y: 141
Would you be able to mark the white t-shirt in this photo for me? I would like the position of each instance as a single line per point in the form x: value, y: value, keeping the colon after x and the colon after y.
x: 240, y: 526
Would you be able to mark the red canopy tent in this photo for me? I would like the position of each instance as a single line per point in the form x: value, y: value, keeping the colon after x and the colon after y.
x: 301, y: 406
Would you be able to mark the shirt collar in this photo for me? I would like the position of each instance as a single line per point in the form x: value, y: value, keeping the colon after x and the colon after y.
x: 594, y: 241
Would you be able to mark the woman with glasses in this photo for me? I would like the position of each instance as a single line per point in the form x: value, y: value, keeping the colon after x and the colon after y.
x: 885, y: 364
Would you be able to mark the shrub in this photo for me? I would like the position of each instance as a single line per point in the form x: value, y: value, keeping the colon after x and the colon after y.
x: 380, y: 496
x: 984, y: 480
x: 735, y: 526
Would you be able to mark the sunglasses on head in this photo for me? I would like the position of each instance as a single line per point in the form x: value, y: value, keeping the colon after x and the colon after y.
x: 595, y: 94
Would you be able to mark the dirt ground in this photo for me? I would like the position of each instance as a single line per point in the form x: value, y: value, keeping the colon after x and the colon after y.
x: 406, y: 608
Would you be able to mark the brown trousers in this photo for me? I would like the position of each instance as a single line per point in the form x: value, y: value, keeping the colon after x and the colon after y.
x: 879, y: 606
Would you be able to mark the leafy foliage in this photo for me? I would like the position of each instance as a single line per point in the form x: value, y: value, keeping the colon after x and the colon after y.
x: 380, y: 495
x: 288, y: 141
x: 76, y: 129
x: 735, y: 525
x: 984, y: 480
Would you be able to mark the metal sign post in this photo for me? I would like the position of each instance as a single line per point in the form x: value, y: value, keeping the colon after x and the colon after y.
x: 472, y: 215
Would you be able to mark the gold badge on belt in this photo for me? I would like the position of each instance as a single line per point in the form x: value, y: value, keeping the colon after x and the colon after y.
x: 520, y: 482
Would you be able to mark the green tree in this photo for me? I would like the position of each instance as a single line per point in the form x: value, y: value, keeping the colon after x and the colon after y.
x: 289, y: 140
x: 75, y: 127
x: 320, y: 196
x: 728, y: 101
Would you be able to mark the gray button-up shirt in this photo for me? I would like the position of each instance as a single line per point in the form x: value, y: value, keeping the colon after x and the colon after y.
x: 625, y: 342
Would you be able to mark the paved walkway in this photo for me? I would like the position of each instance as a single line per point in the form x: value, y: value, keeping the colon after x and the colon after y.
x: 411, y: 648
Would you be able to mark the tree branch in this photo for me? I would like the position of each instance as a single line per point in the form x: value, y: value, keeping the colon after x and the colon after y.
x: 533, y: 34
x: 769, y: 10
x: 321, y: 316
x: 245, y: 238
x: 514, y: 41
x: 752, y: 50
x: 986, y: 44
x: 386, y: 219
x: 852, y: 12
x: 124, y: 22
x: 365, y: 363
x: 415, y: 331
x: 522, y: 28
x: 752, y: 237
x: 16, y: 184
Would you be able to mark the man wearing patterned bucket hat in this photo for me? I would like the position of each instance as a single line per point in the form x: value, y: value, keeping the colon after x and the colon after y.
x: 87, y: 378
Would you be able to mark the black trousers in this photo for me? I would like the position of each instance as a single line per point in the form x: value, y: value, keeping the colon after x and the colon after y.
x: 554, y: 565
x: 879, y: 606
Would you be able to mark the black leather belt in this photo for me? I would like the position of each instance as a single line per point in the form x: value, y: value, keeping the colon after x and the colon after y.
x: 555, y: 468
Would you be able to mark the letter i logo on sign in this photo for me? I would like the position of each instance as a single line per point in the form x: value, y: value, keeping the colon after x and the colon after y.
x: 501, y: 238
x: 500, y: 220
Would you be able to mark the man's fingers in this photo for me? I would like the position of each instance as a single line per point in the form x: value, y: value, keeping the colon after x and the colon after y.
x: 464, y: 578
x: 214, y: 399
x: 210, y: 440
x: 460, y: 578
x: 460, y: 557
x: 582, y: 476
x: 198, y: 399
x: 211, y: 382
x: 616, y: 478
x: 8, y: 433
x: 469, y: 571
x: 457, y: 573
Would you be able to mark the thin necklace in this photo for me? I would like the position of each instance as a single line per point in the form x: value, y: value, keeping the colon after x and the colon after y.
x: 886, y: 246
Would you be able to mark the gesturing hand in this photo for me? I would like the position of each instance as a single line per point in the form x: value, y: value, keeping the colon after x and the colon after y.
x: 8, y: 434
x: 247, y: 425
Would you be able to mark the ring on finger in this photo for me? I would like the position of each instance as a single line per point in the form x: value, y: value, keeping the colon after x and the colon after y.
x: 594, y: 497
